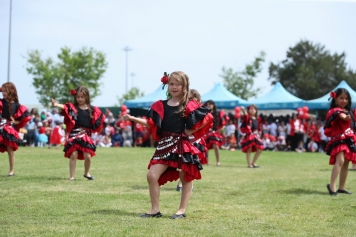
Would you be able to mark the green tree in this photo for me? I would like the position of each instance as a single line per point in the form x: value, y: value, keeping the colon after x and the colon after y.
x: 310, y: 71
x: 133, y: 93
x: 54, y: 79
x: 241, y: 83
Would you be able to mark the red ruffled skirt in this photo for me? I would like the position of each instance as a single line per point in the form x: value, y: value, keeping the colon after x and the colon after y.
x: 201, y: 145
x: 252, y: 141
x: 213, y: 137
x: 82, y: 143
x: 8, y: 137
x: 342, y: 143
x: 178, y: 154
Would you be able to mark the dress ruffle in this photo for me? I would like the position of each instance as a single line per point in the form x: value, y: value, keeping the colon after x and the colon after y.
x: 252, y: 141
x: 81, y: 144
x: 9, y: 137
x: 201, y: 145
x: 344, y: 144
x: 213, y: 137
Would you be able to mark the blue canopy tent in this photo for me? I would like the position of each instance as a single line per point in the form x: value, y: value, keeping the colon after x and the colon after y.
x: 147, y: 100
x: 277, y: 98
x: 323, y: 103
x: 223, y: 98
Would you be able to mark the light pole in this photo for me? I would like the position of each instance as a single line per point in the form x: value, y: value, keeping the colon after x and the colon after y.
x: 8, y: 57
x: 127, y: 49
x: 132, y: 78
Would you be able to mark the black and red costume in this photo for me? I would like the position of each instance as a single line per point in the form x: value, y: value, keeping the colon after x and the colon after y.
x: 79, y: 126
x: 174, y: 148
x: 214, y: 135
x: 342, y: 136
x: 251, y: 128
x: 9, y: 131
x: 201, y: 145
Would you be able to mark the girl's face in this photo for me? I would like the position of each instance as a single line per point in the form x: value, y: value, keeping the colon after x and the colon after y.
x: 210, y: 106
x: 80, y: 98
x: 175, y: 88
x: 342, y: 100
x: 5, y: 94
x: 252, y: 111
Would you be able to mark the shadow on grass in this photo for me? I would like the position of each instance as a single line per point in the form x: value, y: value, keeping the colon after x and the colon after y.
x: 300, y: 191
x: 115, y: 212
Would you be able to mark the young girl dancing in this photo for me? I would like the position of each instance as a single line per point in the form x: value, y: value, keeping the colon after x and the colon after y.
x: 13, y: 116
x: 81, y: 119
x: 252, y: 141
x: 214, y: 139
x: 343, y: 138
x: 171, y: 122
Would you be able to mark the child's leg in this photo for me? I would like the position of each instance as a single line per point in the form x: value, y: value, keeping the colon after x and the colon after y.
x: 217, y: 155
x: 72, y: 164
x: 152, y: 177
x: 248, y: 154
x: 336, y: 170
x: 257, y: 154
x: 87, y: 163
x: 343, y: 174
x: 179, y: 186
x: 186, y: 193
x: 11, y: 155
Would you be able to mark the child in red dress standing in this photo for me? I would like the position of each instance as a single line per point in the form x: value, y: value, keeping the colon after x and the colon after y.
x: 81, y: 119
x: 13, y: 116
x: 171, y: 122
x: 341, y: 148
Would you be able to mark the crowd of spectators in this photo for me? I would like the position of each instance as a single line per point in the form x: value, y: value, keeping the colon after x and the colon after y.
x: 283, y: 133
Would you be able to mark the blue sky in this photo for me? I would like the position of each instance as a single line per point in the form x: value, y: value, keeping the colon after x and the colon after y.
x: 197, y: 37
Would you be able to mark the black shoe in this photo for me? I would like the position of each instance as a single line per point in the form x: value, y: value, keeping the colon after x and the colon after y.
x: 179, y: 189
x: 330, y: 191
x: 255, y: 166
x: 343, y: 191
x: 146, y: 215
x: 178, y: 216
x: 10, y: 175
x: 89, y: 177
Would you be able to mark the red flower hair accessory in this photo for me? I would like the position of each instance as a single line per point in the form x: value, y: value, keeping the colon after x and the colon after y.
x: 164, y: 79
x: 0, y: 89
x: 333, y: 94
x: 73, y: 92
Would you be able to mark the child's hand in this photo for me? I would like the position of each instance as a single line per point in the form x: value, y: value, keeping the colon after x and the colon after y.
x: 127, y: 117
x: 345, y: 117
x: 54, y: 102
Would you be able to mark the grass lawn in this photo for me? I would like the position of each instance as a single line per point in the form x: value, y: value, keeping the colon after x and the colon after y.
x: 287, y: 196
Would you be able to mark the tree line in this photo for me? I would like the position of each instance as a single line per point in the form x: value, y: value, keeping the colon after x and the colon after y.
x: 309, y: 71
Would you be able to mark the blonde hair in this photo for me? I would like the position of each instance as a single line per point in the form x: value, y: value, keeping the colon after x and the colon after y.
x: 194, y: 95
x: 183, y: 79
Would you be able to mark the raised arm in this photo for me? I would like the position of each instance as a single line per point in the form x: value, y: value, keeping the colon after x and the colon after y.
x: 55, y: 104
x: 141, y: 121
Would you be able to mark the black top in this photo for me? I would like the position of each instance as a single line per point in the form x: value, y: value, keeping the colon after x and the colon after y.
x: 173, y: 121
x: 83, y: 118
x: 5, y: 109
x: 254, y: 125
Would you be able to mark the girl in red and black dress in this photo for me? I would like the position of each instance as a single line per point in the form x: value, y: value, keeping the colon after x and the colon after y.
x: 81, y: 119
x: 252, y: 141
x: 171, y: 122
x: 213, y: 138
x: 13, y: 117
x: 353, y: 126
x: 341, y: 147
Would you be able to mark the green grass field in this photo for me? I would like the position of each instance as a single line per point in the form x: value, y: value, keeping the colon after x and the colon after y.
x: 287, y: 196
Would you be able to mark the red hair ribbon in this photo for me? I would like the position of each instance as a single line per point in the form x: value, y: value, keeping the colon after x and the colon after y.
x: 73, y: 92
x: 333, y: 94
x: 0, y: 89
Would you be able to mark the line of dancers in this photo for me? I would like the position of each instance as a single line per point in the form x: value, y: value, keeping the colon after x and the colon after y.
x: 185, y: 130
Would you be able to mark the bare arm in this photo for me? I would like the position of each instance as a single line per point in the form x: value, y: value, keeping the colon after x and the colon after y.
x: 55, y: 104
x: 243, y: 110
x: 141, y: 121
x: 345, y: 117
